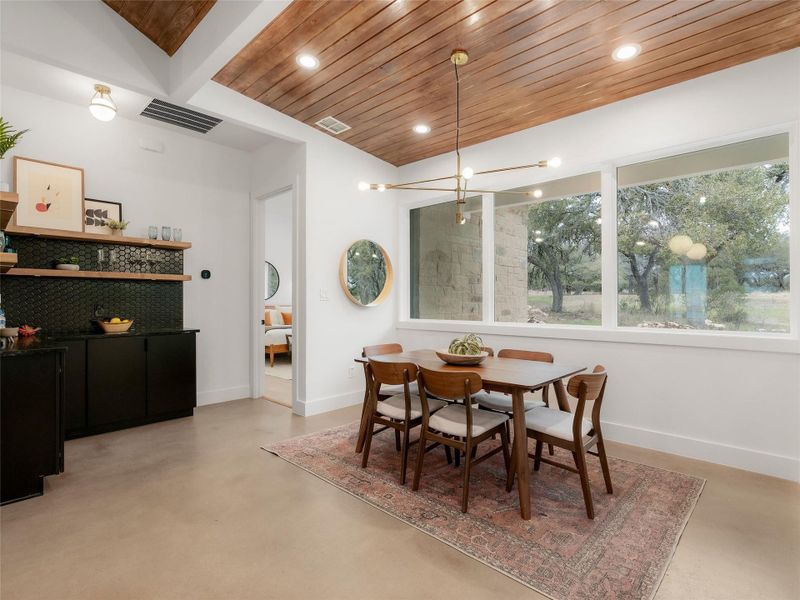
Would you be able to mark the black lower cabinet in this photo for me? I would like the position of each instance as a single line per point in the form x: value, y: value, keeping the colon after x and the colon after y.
x: 116, y: 380
x: 75, y: 381
x: 171, y: 377
x: 31, y: 417
x: 130, y: 381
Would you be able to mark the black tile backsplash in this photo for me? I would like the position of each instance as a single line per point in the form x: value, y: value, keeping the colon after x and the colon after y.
x: 40, y: 253
x: 67, y: 305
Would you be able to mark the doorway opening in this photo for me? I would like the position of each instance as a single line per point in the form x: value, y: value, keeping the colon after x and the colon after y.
x: 278, y: 317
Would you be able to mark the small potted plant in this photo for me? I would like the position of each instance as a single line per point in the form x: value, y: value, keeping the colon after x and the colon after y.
x: 8, y: 139
x: 68, y: 263
x: 116, y: 227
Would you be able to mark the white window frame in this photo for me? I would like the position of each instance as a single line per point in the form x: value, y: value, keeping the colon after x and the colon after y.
x: 609, y: 330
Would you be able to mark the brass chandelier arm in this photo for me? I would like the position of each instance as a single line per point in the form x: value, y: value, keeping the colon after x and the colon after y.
x: 541, y: 163
x: 498, y: 192
x: 422, y: 189
x: 396, y: 185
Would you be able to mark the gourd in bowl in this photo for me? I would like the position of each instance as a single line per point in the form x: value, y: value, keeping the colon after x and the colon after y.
x: 467, y: 350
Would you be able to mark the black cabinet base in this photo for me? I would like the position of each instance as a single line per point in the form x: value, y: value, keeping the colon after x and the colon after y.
x: 107, y: 427
x: 23, y: 491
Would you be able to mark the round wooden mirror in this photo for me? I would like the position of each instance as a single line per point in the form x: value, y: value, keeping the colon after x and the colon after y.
x: 365, y: 273
x: 271, y: 280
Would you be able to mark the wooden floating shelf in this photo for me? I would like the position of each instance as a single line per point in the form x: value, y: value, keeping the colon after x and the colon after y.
x: 80, y: 236
x: 8, y: 204
x: 7, y: 260
x: 97, y: 275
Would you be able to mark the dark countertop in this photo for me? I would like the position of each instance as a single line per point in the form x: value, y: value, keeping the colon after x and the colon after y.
x: 31, y: 345
x: 52, y: 341
x: 134, y: 332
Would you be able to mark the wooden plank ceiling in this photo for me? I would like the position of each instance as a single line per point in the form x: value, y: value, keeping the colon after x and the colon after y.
x: 384, y: 65
x: 166, y: 22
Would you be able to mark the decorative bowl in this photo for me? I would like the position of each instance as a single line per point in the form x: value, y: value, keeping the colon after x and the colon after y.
x: 115, y: 327
x: 461, y: 359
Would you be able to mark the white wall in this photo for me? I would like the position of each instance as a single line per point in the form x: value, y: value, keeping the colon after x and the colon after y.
x: 278, y: 244
x: 199, y: 186
x: 331, y: 214
x: 735, y: 407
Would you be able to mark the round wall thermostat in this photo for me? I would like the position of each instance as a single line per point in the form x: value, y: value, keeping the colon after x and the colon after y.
x: 205, y: 274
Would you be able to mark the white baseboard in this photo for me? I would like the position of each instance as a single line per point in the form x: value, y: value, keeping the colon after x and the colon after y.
x: 776, y: 465
x: 223, y: 395
x: 308, y: 408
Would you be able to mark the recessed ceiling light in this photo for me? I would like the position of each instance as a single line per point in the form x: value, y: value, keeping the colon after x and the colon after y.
x: 626, y: 52
x: 421, y: 128
x: 307, y: 61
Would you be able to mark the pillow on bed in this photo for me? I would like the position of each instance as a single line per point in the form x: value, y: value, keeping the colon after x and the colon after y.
x: 287, y: 318
x: 272, y: 317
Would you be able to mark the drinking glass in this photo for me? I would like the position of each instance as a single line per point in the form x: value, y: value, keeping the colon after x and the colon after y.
x: 177, y: 234
x: 166, y: 232
x: 152, y: 232
x: 102, y: 258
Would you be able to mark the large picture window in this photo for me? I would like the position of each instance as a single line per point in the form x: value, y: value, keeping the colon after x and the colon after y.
x: 547, y: 252
x: 703, y: 239
x: 702, y: 245
x: 446, y: 262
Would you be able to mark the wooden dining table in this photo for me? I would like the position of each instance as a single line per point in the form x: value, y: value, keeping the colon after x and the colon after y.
x: 508, y: 375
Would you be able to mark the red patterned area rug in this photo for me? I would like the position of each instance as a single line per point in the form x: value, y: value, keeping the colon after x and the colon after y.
x: 623, y: 553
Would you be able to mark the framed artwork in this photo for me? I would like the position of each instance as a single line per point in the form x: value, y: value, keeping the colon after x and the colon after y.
x: 96, y: 214
x: 50, y: 195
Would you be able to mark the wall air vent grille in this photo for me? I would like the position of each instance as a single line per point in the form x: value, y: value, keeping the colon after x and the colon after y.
x: 179, y: 116
x: 332, y: 125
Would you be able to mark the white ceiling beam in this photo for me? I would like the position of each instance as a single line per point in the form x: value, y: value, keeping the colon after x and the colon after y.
x: 226, y: 29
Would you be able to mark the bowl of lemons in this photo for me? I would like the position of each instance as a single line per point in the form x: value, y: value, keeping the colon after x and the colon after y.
x: 115, y: 325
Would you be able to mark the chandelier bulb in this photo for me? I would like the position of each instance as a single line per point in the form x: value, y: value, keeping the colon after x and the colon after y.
x: 381, y: 187
x: 363, y: 186
x: 554, y: 162
x: 467, y: 172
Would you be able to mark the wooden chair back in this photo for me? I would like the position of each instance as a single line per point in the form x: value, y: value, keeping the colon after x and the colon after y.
x: 525, y: 355
x: 488, y: 350
x: 587, y: 387
x: 393, y: 373
x: 454, y: 385
x: 379, y: 349
x: 592, y: 382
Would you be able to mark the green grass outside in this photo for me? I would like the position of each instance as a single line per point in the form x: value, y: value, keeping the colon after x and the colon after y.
x: 765, y: 311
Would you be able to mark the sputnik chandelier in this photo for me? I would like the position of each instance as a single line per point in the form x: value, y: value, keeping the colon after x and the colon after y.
x: 459, y: 58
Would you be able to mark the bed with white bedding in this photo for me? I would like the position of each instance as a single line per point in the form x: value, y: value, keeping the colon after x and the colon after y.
x: 275, y: 331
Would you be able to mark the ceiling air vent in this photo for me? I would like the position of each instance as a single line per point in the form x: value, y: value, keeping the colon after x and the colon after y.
x: 182, y: 117
x: 333, y: 125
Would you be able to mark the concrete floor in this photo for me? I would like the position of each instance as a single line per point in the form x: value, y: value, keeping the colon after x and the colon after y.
x: 194, y: 509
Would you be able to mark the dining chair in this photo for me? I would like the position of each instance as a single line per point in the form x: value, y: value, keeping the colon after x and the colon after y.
x: 401, y: 412
x: 572, y: 432
x: 499, y: 402
x: 488, y: 350
x: 388, y: 391
x: 457, y: 425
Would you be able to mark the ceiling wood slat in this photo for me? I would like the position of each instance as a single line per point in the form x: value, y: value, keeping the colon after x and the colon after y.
x: 384, y: 65
x: 731, y: 55
x: 167, y: 23
x: 441, y: 90
x: 614, y: 85
x: 580, y: 68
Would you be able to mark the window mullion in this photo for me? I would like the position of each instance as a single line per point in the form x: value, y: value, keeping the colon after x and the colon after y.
x: 487, y: 257
x: 608, y: 231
